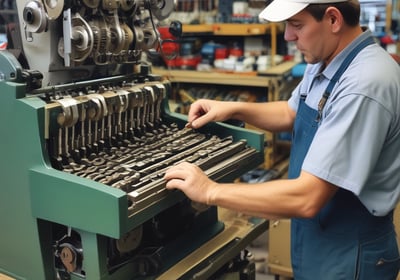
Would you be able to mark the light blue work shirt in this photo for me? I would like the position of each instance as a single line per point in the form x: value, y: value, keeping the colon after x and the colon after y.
x: 357, y: 145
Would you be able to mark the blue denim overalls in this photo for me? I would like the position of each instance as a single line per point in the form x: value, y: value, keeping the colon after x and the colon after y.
x: 343, y: 241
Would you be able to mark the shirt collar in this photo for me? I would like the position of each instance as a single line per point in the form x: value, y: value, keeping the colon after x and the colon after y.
x: 334, y: 65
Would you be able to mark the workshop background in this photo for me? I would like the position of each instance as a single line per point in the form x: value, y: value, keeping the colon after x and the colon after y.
x: 221, y: 50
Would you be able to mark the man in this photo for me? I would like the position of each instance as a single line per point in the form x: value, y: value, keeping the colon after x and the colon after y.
x: 344, y: 171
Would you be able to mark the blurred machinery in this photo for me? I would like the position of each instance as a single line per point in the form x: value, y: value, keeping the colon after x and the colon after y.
x: 86, y: 138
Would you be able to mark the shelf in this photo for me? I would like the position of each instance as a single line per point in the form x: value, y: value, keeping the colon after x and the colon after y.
x: 197, y: 28
x: 230, y: 29
x: 227, y: 29
x: 279, y: 70
x: 217, y: 78
x: 223, y: 78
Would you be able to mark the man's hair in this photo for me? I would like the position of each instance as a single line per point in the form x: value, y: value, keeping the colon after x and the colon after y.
x: 350, y: 11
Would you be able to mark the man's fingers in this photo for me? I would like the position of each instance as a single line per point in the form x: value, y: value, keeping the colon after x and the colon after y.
x: 175, y: 184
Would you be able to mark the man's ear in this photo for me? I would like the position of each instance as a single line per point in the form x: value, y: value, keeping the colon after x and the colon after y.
x: 335, y: 18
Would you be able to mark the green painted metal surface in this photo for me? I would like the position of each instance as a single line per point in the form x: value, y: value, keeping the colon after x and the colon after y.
x: 20, y: 149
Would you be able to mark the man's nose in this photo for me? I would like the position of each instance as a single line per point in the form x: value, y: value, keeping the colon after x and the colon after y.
x: 289, y: 35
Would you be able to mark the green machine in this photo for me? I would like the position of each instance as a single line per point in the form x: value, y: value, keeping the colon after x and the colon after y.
x: 86, y: 137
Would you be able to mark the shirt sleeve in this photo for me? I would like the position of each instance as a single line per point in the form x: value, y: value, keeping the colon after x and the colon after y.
x: 348, y: 142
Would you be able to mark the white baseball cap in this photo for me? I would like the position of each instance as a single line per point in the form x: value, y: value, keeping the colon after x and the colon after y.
x: 280, y: 10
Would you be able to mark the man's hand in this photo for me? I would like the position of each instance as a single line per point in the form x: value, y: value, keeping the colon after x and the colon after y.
x: 190, y: 179
x: 204, y: 111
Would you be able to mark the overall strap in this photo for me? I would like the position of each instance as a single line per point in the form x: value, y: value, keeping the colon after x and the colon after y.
x: 346, y: 62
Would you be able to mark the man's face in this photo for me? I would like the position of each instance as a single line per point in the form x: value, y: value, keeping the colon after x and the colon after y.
x: 313, y: 39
